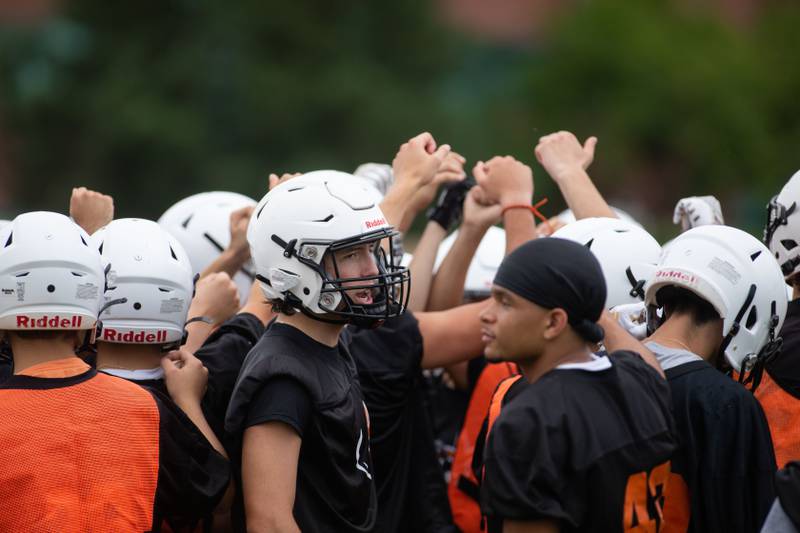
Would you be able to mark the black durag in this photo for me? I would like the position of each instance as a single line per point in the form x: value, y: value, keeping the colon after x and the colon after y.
x: 557, y: 273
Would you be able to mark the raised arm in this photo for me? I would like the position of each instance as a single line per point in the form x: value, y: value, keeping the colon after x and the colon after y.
x: 448, y: 284
x: 563, y: 157
x: 414, y: 166
x: 509, y: 183
x: 91, y: 210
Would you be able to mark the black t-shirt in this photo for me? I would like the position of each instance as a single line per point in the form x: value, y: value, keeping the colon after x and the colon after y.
x: 411, y: 491
x: 282, y: 399
x: 335, y: 488
x: 223, y: 354
x: 726, y: 455
x: 566, y: 447
x: 784, y: 369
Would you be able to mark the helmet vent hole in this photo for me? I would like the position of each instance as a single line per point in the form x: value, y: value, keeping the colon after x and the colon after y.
x: 100, y: 249
x: 162, y: 289
x: 172, y: 252
x: 751, y: 318
x: 185, y: 223
x: 789, y: 243
x: 10, y: 239
x: 83, y: 241
x: 22, y: 274
x: 137, y: 306
x: 326, y: 219
x: 589, y: 244
x: 51, y: 288
x: 306, y: 291
x: 78, y: 274
x: 258, y: 215
x: 754, y: 256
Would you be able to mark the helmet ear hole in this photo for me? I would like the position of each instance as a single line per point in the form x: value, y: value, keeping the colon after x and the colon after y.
x: 789, y: 244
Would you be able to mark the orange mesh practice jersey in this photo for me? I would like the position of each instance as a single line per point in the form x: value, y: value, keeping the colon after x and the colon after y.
x: 463, y: 490
x: 783, y: 416
x: 79, y: 453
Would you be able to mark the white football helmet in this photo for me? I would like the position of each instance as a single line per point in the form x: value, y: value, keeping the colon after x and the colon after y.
x: 201, y: 223
x: 736, y: 274
x: 150, y: 269
x: 484, y: 264
x: 626, y: 252
x: 568, y: 217
x: 50, y: 278
x: 782, y: 232
x: 309, y: 217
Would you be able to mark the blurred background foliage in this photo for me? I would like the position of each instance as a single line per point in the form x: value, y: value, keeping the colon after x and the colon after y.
x: 151, y: 101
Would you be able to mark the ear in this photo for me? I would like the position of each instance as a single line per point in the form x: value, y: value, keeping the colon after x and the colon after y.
x: 556, y: 322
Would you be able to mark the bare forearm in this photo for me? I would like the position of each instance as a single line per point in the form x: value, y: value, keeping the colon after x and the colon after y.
x: 193, y: 410
x: 582, y: 196
x: 448, y: 284
x: 228, y: 261
x: 196, y: 334
x: 422, y: 265
x: 520, y: 228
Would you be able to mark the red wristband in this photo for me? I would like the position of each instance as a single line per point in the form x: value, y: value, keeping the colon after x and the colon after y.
x: 532, y: 208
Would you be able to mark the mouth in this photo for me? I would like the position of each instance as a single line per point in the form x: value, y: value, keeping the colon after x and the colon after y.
x: 486, y: 336
x: 363, y: 297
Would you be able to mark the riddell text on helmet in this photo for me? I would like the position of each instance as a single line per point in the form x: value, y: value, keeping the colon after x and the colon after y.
x: 375, y: 223
x: 137, y: 337
x: 676, y: 275
x: 49, y: 322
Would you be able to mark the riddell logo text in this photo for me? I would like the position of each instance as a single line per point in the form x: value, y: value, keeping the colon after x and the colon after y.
x: 676, y: 275
x: 49, y: 322
x: 138, y: 337
x: 375, y: 223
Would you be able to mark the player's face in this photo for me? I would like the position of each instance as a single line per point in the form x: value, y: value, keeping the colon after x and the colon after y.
x: 355, y: 262
x: 512, y: 327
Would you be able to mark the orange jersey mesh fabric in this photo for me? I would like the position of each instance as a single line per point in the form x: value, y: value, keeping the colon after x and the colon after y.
x: 78, y: 457
x: 466, y: 507
x: 783, y: 416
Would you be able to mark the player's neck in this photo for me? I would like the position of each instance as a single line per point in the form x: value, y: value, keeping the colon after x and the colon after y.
x: 32, y: 352
x: 128, y: 356
x: 680, y: 332
x: 560, y: 352
x: 322, y: 332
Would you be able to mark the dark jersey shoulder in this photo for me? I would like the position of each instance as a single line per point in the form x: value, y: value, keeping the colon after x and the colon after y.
x: 335, y: 489
x: 784, y: 369
x: 726, y: 455
x: 566, y: 446
x: 223, y: 354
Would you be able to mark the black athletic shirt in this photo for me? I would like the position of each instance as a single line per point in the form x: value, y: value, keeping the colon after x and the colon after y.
x: 569, y: 445
x: 335, y: 488
x: 412, y: 495
x: 726, y: 455
x: 223, y: 354
x: 784, y: 369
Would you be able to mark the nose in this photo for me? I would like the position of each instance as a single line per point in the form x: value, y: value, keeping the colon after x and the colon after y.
x: 369, y: 266
x: 487, y: 315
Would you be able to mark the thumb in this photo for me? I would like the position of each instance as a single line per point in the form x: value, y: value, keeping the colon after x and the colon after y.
x: 441, y: 153
x: 588, y: 148
x: 168, y: 365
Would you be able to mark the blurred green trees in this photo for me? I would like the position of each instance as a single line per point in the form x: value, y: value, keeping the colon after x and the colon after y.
x: 152, y: 101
